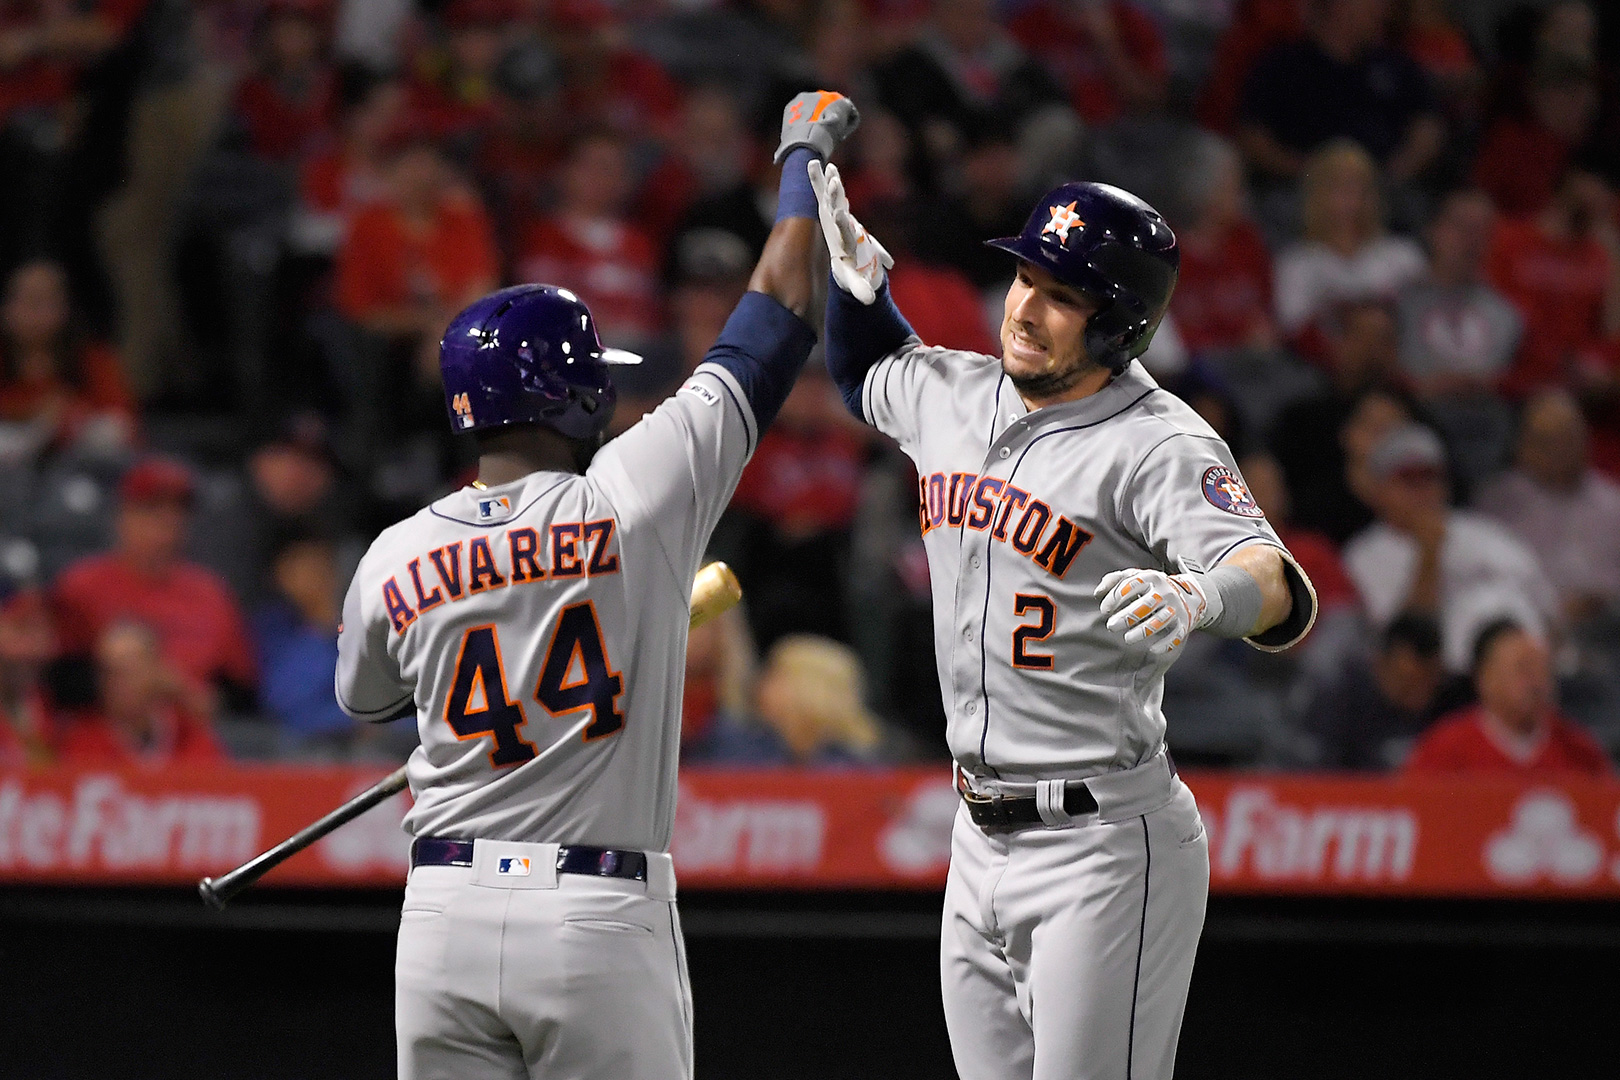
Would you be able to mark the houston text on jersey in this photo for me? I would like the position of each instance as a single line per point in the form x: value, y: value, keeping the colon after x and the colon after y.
x: 967, y: 500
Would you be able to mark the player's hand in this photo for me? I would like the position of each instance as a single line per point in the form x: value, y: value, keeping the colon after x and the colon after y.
x: 819, y: 119
x: 859, y: 262
x: 1154, y: 607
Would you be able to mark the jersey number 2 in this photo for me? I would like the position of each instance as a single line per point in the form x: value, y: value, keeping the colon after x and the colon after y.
x: 1039, y: 630
x: 576, y: 675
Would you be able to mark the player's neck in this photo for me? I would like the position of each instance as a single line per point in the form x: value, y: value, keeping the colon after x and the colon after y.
x: 511, y: 455
x: 1089, y: 383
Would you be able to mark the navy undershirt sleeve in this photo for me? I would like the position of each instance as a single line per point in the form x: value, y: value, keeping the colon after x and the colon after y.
x: 858, y: 336
x: 763, y: 345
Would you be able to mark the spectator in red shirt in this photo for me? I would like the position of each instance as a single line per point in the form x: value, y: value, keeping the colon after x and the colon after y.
x: 1562, y: 270
x: 146, y: 578
x: 413, y: 260
x: 455, y: 93
x: 1516, y: 729
x: 1223, y: 294
x: 1106, y: 53
x: 27, y: 644
x: 350, y: 173
x: 144, y: 714
x: 290, y: 101
x: 1523, y: 155
x: 595, y: 246
x: 52, y: 378
x: 606, y: 83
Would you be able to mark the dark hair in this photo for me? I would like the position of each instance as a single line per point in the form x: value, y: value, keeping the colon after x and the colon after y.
x: 1420, y: 633
x: 67, y: 350
x: 1487, y: 638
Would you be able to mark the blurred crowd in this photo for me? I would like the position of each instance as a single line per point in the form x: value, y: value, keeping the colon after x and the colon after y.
x: 232, y: 231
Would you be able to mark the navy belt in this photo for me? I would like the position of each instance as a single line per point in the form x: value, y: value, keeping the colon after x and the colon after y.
x: 571, y: 858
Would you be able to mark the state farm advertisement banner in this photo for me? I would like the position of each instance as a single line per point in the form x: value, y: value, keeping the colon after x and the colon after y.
x: 1273, y: 834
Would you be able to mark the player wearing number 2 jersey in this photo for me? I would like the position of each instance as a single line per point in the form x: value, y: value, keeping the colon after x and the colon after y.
x: 535, y: 626
x: 1079, y: 523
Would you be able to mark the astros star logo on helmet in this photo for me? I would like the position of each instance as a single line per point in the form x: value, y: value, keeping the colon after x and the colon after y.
x: 1063, y: 219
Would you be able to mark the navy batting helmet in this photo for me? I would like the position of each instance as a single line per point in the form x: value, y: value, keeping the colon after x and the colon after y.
x: 1112, y: 246
x: 528, y: 355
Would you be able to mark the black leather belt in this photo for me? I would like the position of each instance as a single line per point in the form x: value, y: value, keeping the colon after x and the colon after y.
x: 571, y: 858
x: 1011, y: 811
x: 1004, y: 812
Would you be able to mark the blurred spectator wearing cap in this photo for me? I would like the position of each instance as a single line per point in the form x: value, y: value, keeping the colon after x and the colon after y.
x: 1516, y: 729
x: 1346, y: 255
x: 1561, y: 267
x: 1561, y: 507
x: 57, y: 387
x: 296, y: 633
x: 1108, y: 54
x: 1339, y: 82
x: 707, y: 182
x: 410, y: 262
x: 962, y: 71
x: 1524, y: 154
x: 1322, y: 439
x: 1423, y: 557
x: 1371, y: 715
x: 1223, y: 292
x: 988, y: 200
x: 811, y: 694
x: 289, y: 103
x: 715, y: 724
x: 28, y: 644
x: 145, y: 578
x: 594, y: 244
x: 793, y: 513
x: 348, y: 173
x: 144, y: 713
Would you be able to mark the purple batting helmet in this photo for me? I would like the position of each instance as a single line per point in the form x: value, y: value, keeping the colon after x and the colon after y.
x: 528, y: 355
x: 1112, y: 246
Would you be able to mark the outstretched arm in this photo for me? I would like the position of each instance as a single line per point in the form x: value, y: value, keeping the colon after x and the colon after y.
x: 766, y: 341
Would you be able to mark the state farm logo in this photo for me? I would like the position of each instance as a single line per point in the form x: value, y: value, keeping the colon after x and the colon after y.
x: 1544, y: 840
x: 104, y: 826
x: 919, y: 840
x: 758, y: 835
x: 1256, y: 835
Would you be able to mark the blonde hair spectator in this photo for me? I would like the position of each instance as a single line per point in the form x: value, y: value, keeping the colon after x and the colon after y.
x: 812, y: 694
x: 1343, y: 208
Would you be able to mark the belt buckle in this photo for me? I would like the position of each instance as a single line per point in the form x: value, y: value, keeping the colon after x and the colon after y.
x: 995, y: 815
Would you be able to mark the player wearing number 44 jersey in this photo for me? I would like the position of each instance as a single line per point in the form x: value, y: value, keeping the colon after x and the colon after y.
x: 1079, y: 524
x: 535, y: 625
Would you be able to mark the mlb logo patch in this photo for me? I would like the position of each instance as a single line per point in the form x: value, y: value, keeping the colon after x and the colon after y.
x: 513, y: 867
x: 494, y: 507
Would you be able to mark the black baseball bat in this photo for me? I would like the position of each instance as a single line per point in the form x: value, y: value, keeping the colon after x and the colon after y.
x: 217, y: 892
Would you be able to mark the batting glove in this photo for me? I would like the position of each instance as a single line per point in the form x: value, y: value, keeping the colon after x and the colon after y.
x: 859, y: 262
x: 819, y: 119
x: 1158, y: 608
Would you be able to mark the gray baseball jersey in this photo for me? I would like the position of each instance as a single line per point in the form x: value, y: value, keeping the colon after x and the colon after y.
x: 508, y: 616
x: 1022, y: 514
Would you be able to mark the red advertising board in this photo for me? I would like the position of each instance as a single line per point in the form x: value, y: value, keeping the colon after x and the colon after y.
x: 1269, y: 833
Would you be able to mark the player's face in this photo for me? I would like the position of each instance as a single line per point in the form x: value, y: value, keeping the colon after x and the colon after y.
x: 1043, y: 331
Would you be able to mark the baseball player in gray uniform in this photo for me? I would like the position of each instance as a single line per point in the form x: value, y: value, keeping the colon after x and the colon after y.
x: 1079, y: 522
x: 535, y: 624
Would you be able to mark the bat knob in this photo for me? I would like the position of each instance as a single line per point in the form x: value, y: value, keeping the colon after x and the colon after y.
x: 205, y: 889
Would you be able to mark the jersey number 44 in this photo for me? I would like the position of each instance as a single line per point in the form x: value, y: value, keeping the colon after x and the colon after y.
x: 576, y: 675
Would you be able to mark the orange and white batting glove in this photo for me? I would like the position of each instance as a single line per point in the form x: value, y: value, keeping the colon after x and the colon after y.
x: 1157, y: 608
x: 859, y: 262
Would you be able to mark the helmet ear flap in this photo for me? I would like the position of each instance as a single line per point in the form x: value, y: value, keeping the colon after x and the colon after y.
x: 1111, y: 335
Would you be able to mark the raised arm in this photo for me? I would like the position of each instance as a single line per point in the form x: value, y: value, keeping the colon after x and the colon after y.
x: 863, y: 325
